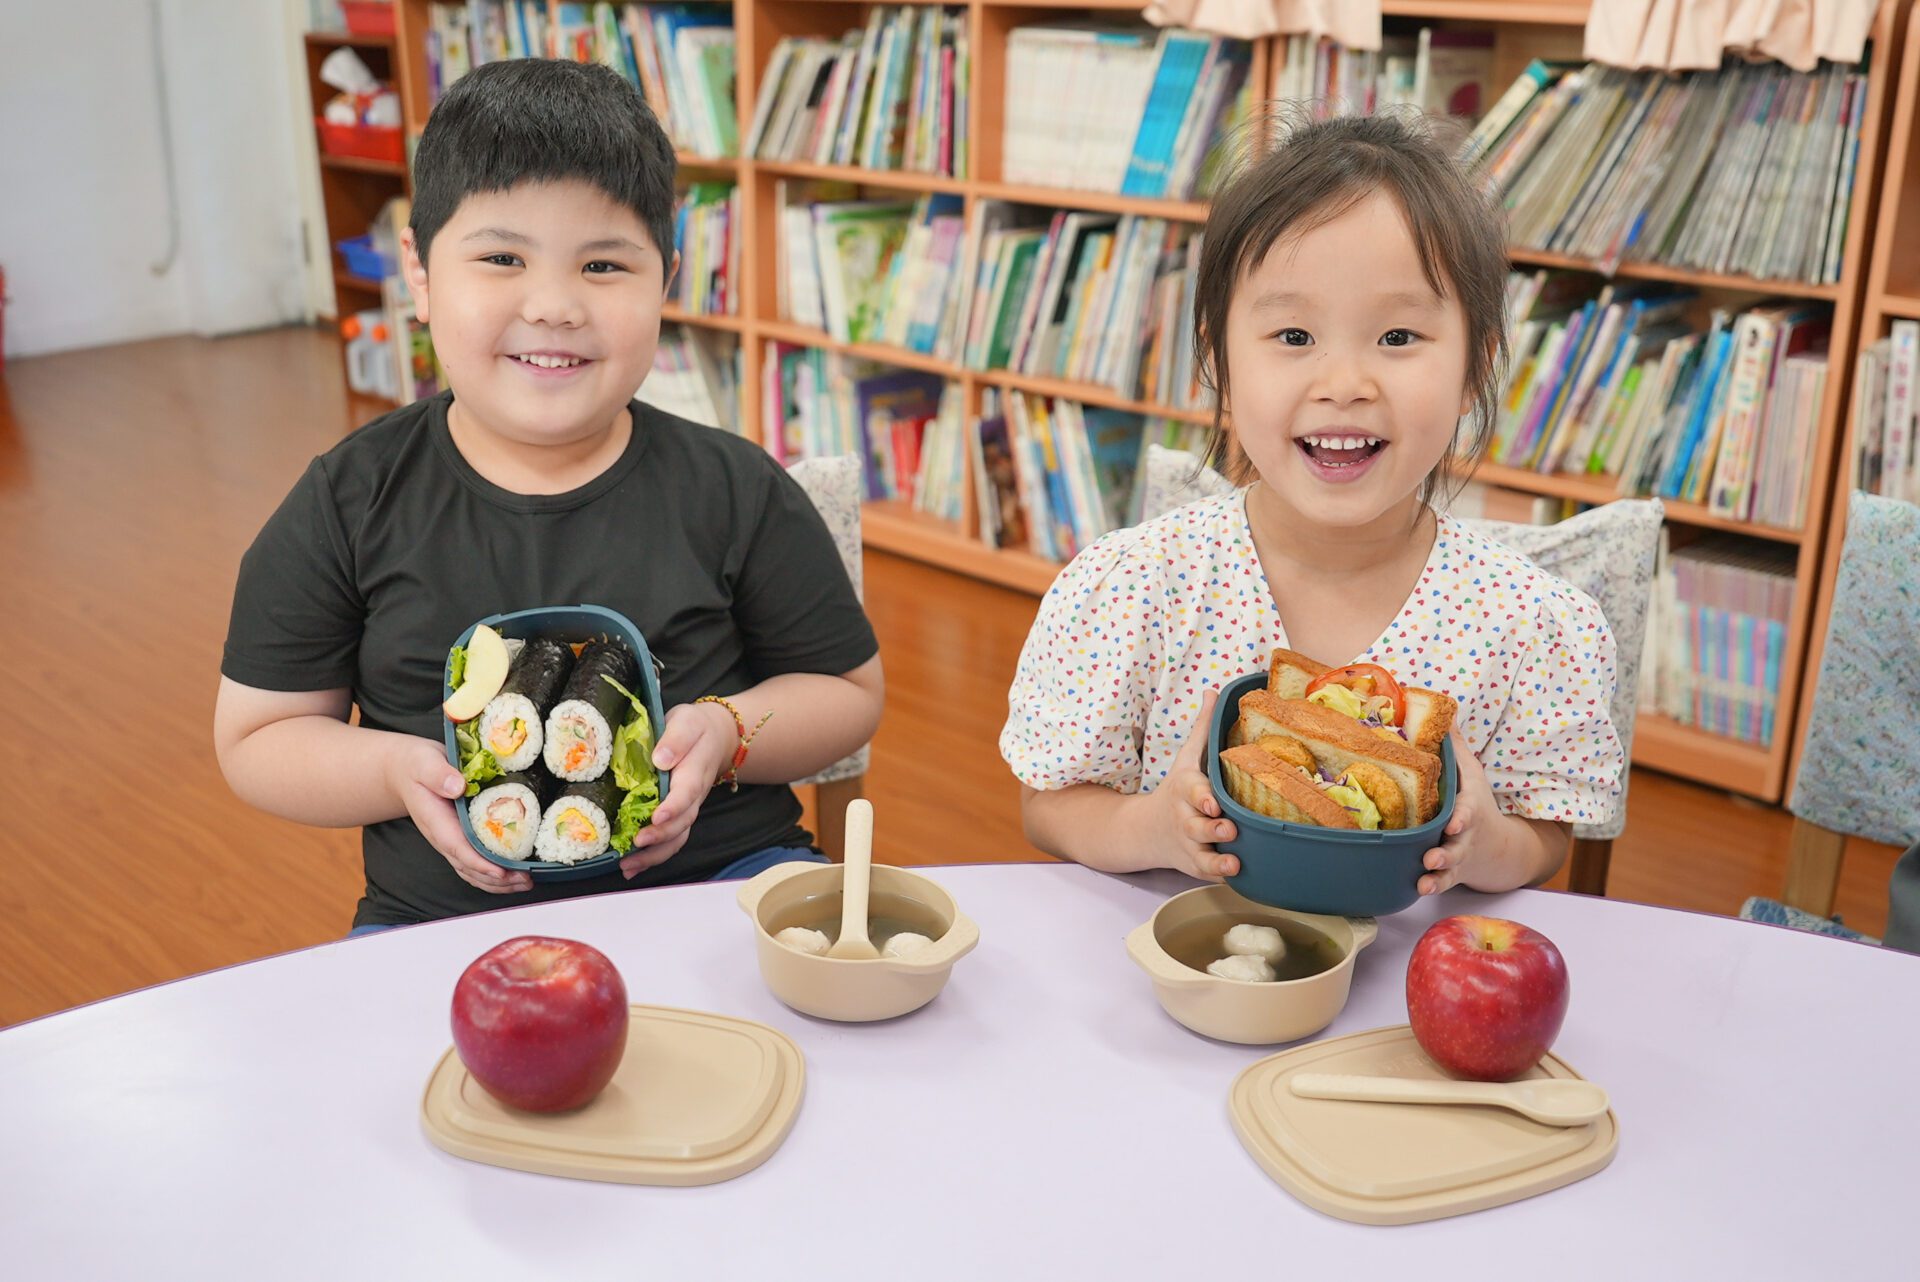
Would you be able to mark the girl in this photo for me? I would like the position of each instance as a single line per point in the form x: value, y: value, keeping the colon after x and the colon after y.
x: 1349, y: 315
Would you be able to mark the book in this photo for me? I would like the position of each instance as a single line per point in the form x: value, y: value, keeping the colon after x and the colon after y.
x: 706, y: 223
x: 1717, y: 634
x: 695, y: 375
x: 854, y: 242
x: 1453, y: 71
x: 1002, y: 510
x: 1182, y: 55
x: 1870, y: 415
x: 1903, y: 399
x: 1745, y: 170
x: 797, y: 295
x: 882, y: 400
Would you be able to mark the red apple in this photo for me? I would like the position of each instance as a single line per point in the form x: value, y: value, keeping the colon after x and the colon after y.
x: 1485, y: 996
x: 541, y: 1022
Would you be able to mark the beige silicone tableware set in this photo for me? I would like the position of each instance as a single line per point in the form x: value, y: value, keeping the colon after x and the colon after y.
x: 1363, y: 1127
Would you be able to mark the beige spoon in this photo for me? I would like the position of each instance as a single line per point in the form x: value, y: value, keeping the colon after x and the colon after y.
x: 1551, y: 1101
x: 853, y: 943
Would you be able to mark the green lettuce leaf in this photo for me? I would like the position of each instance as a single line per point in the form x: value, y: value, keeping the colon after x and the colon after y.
x: 477, y: 762
x: 635, y: 810
x: 631, y: 761
x: 631, y: 758
x: 456, y: 667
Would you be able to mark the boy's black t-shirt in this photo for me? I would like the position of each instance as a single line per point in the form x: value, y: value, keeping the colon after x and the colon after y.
x: 391, y: 545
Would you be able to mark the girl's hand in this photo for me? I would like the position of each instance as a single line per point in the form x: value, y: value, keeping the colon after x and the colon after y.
x: 1187, y: 814
x: 696, y: 745
x: 1453, y: 862
x: 427, y: 786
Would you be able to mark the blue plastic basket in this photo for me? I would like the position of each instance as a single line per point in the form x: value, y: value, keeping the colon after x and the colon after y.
x: 364, y: 260
x: 1339, y: 871
x: 571, y: 624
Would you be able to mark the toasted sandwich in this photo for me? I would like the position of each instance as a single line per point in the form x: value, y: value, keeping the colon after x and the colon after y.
x: 1406, y: 780
x: 1269, y: 786
x: 1367, y: 693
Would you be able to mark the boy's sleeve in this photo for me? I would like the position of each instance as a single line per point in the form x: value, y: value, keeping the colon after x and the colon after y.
x: 792, y: 598
x: 1080, y: 699
x: 1554, y: 753
x: 297, y: 613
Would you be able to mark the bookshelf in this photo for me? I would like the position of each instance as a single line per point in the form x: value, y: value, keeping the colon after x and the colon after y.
x: 352, y: 189
x: 1522, y: 30
x: 1890, y: 292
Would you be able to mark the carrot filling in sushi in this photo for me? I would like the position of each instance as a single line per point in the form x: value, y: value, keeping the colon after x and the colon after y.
x: 577, y: 742
x: 505, y: 816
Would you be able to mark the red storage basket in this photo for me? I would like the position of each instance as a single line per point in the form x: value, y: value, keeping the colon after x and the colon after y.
x: 363, y: 142
x: 368, y: 17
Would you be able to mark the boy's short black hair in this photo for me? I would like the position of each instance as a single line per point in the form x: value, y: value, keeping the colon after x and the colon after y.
x: 531, y: 120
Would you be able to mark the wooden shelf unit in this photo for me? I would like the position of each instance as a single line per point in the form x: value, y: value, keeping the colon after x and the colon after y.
x: 1890, y: 291
x: 1522, y: 29
x: 1679, y: 275
x: 353, y: 190
x: 334, y: 39
x: 363, y: 165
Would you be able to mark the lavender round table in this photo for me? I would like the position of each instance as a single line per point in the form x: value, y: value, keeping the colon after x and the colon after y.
x: 1042, y: 1118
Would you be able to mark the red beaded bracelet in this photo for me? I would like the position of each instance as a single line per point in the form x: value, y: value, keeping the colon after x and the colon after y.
x: 732, y: 776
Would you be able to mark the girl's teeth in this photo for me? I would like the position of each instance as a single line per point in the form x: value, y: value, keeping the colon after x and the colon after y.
x: 1342, y: 442
x: 550, y: 362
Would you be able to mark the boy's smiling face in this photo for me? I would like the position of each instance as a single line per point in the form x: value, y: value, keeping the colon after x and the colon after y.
x: 544, y: 302
x: 1347, y: 373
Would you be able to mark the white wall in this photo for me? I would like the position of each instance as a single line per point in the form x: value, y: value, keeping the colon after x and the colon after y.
x: 83, y: 172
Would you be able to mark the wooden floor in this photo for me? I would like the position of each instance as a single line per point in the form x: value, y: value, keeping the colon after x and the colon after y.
x: 132, y: 478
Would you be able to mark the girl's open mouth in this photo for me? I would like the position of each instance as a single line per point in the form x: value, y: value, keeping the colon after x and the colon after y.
x: 1340, y: 456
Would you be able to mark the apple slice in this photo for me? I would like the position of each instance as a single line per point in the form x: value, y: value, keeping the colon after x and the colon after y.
x: 487, y: 665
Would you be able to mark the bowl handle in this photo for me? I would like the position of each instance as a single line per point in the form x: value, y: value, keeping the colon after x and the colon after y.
x: 1365, y: 931
x: 752, y: 892
x: 1146, y: 951
x: 960, y: 939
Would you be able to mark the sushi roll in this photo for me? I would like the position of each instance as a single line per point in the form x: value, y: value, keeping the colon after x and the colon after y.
x: 505, y: 815
x: 579, y: 823
x: 579, y: 731
x: 513, y: 725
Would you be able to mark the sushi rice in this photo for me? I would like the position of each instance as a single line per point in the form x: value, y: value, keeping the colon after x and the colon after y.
x: 505, y: 817
x: 573, y: 830
x: 579, y: 742
x: 511, y: 729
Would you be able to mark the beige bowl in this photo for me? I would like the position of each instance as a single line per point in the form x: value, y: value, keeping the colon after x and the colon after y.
x: 1234, y: 1010
x: 841, y: 988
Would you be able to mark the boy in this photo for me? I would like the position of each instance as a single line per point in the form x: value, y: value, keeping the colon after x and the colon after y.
x: 537, y: 252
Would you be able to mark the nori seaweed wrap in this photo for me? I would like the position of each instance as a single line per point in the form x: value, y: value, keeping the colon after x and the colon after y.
x: 540, y: 673
x: 579, y: 823
x: 579, y: 729
x: 602, y: 792
x: 513, y: 725
x: 505, y: 814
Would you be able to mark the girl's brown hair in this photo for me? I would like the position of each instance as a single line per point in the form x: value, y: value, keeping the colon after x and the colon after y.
x: 1318, y: 171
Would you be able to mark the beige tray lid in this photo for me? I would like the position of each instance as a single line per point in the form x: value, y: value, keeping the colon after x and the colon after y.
x: 698, y: 1099
x: 1402, y: 1163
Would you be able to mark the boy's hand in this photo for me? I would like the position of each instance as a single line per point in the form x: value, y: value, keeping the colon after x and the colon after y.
x: 426, y: 785
x: 696, y: 745
x: 1453, y: 861
x: 1188, y: 815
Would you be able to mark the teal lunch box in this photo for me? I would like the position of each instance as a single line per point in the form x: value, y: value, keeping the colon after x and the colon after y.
x: 571, y: 624
x: 1339, y: 871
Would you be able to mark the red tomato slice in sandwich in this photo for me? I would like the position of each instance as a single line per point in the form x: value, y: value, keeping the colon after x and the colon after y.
x: 1366, y: 680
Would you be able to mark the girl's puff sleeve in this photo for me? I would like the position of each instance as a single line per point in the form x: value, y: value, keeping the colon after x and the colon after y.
x: 1083, y: 689
x: 1554, y: 753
